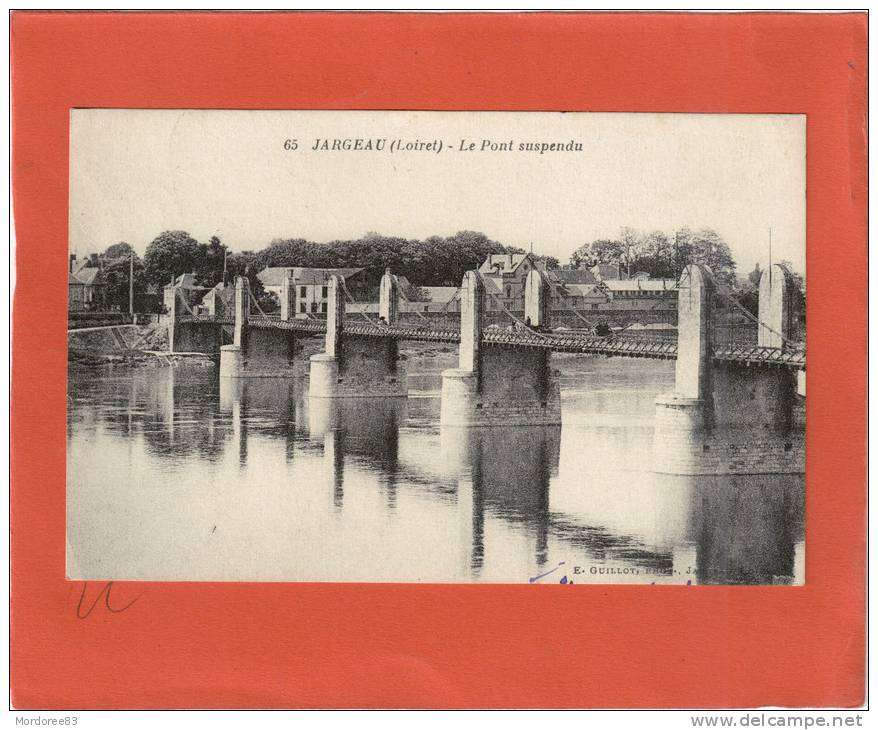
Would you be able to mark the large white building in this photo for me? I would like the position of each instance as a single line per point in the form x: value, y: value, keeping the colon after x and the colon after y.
x: 311, y: 285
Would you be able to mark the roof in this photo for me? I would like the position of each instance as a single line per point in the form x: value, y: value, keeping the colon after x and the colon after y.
x: 640, y: 284
x: 572, y: 276
x: 186, y: 281
x: 586, y: 290
x: 274, y: 275
x: 406, y: 286
x: 221, y: 290
x: 607, y: 271
x: 439, y: 293
x: 87, y: 275
x: 503, y: 263
x: 491, y: 286
x: 80, y: 263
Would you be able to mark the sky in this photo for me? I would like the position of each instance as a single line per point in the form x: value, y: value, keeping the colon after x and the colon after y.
x: 136, y: 173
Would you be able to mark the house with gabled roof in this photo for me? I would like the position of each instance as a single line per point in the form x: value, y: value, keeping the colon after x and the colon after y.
x: 86, y: 286
x: 505, y: 275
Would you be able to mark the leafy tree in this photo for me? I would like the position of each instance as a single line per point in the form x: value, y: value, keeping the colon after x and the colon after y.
x: 797, y: 280
x: 550, y: 262
x: 601, y: 251
x: 708, y: 248
x: 748, y: 293
x: 660, y: 255
x: 209, y: 262
x: 116, y: 281
x: 170, y: 254
x: 118, y: 251
x: 798, y: 296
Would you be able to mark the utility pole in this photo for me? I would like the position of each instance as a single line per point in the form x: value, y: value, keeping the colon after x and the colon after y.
x: 131, y: 284
x: 225, y: 262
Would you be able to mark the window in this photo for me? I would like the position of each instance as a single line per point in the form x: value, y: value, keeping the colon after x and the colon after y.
x: 303, y: 291
x: 302, y: 307
x: 509, y: 292
x: 594, y: 306
x: 323, y: 307
x: 324, y: 292
x: 314, y: 307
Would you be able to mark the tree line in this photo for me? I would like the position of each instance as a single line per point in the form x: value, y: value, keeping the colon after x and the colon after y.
x: 665, y: 255
x: 661, y: 255
x: 434, y: 261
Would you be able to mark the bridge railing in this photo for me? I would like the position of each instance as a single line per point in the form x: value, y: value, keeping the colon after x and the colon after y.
x: 572, y: 341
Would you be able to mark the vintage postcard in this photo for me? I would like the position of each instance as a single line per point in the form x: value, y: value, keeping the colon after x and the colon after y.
x: 442, y: 347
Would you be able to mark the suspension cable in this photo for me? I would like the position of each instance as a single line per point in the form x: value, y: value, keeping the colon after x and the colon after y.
x: 657, y: 304
x: 570, y: 308
x: 507, y: 312
x: 453, y: 297
x: 407, y: 301
x: 728, y: 296
x: 350, y: 297
x: 255, y: 301
x: 185, y: 302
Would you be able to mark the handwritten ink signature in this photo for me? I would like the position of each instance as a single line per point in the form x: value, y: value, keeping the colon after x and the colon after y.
x: 105, y: 593
x: 564, y: 580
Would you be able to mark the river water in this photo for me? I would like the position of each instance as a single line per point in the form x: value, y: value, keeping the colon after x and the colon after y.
x: 174, y: 474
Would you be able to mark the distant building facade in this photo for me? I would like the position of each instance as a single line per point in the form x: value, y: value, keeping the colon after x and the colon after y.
x: 600, y: 288
x: 86, y: 286
x: 187, y: 288
x: 311, y: 285
x: 505, y: 276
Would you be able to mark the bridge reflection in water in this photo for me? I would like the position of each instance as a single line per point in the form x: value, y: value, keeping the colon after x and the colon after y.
x: 179, y: 475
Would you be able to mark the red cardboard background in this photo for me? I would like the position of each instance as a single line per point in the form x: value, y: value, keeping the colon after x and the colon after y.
x: 330, y: 645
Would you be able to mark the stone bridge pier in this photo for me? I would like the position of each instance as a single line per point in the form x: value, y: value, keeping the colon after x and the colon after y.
x: 728, y: 417
x: 357, y: 366
x: 495, y: 385
x: 258, y: 352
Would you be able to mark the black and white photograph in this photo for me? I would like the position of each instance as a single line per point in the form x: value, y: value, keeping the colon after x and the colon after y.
x: 436, y: 347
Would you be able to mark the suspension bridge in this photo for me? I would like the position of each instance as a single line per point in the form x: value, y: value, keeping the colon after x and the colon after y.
x: 728, y: 343
x: 729, y: 367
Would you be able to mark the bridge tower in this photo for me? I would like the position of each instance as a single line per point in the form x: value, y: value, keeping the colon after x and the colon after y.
x: 776, y: 315
x: 357, y: 364
x: 388, y: 304
x: 537, y: 300
x: 232, y: 356
x: 496, y: 385
x: 723, y: 412
x: 287, y: 299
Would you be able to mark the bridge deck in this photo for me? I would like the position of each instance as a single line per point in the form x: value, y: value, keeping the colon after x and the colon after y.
x: 571, y: 341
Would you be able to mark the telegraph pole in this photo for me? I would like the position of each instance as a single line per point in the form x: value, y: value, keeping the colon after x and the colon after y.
x: 131, y: 284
